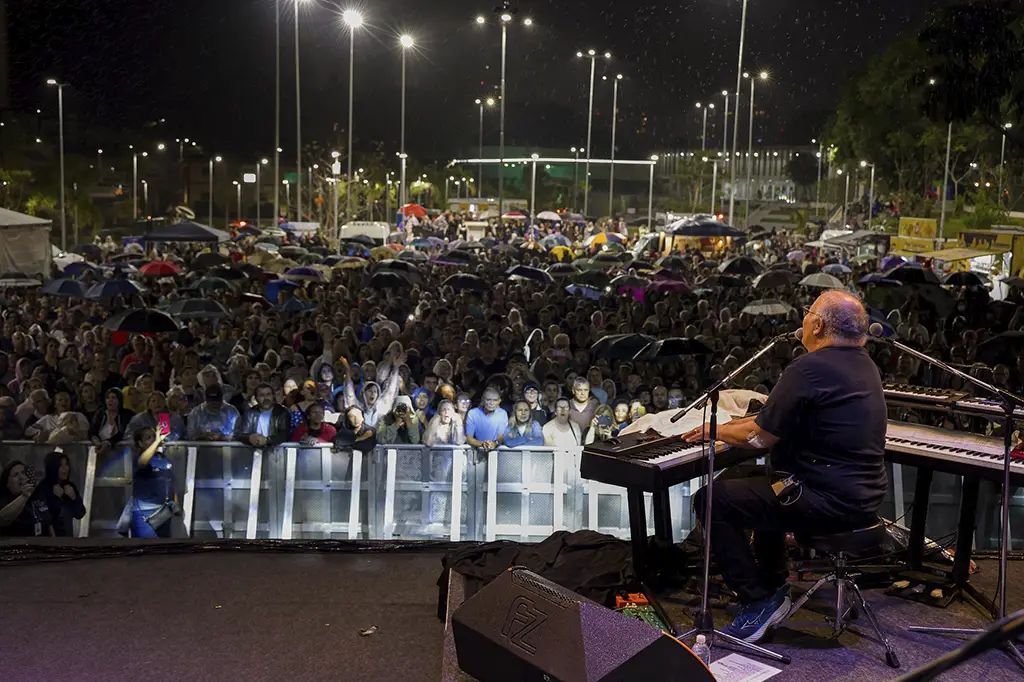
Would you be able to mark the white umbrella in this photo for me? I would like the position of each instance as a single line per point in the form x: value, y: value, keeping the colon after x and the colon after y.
x: 549, y: 215
x: 820, y: 280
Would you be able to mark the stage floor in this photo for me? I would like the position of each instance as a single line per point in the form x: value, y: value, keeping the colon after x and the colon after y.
x: 247, y: 616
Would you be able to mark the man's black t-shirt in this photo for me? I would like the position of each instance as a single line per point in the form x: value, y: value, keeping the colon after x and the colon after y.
x: 828, y: 411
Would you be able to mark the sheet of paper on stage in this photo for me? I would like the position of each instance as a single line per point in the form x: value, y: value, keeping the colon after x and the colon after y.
x: 736, y: 668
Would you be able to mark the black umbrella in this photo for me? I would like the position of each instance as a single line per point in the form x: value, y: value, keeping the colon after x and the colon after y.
x: 593, y: 278
x: 464, y: 281
x: 784, y: 265
x: 964, y: 278
x: 938, y: 299
x: 742, y: 265
x: 526, y: 272
x: 911, y: 274
x: 1015, y: 282
x: 628, y: 281
x: 142, y: 321
x: 671, y: 262
x: 396, y: 265
x: 65, y: 288
x: 560, y: 270
x: 389, y: 279
x: 251, y: 270
x: 207, y: 260
x: 197, y: 308
x: 887, y: 299
x: 229, y: 274
x: 668, y: 349
x: 1002, y: 349
x: 723, y: 281
x: 776, y: 278
x: 91, y: 251
x: 620, y: 346
x: 364, y: 239
x: 811, y: 269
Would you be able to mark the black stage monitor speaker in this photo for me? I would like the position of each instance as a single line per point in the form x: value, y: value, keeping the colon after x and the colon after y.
x: 522, y: 628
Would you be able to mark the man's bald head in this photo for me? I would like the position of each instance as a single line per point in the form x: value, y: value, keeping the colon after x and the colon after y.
x: 843, y: 316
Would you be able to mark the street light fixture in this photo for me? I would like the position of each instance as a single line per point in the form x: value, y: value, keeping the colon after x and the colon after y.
x: 575, y: 173
x: 650, y: 194
x: 592, y: 55
x: 480, y: 169
x: 63, y: 207
x: 736, y: 124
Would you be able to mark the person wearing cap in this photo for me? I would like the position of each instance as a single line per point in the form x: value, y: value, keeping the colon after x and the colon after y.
x: 531, y: 394
x: 213, y: 419
x: 268, y: 424
x: 400, y: 426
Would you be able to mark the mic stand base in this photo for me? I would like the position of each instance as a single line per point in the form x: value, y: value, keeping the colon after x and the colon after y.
x: 705, y: 623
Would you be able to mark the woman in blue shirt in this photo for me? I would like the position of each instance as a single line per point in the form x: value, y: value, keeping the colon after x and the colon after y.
x: 152, y: 484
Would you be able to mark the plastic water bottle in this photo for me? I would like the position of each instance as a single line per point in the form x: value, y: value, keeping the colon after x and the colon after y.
x: 702, y: 650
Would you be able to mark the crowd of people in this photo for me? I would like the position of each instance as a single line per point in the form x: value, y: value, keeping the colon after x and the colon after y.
x: 512, y: 362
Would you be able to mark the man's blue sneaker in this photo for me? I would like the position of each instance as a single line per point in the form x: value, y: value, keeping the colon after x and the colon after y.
x: 755, y: 619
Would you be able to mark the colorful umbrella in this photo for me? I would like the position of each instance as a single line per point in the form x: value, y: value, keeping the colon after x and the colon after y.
x: 602, y: 238
x: 381, y: 252
x: 585, y: 291
x: 562, y: 253
x: 550, y: 216
x: 352, y: 263
x: 795, y: 255
x: 414, y: 210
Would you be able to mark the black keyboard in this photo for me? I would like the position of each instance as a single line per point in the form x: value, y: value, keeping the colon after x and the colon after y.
x: 652, y: 462
x: 945, y: 400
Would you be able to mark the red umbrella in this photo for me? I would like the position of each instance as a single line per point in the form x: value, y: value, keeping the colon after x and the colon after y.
x: 414, y: 210
x: 160, y: 268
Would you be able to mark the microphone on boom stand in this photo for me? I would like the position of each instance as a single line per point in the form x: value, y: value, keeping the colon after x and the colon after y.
x: 1009, y: 403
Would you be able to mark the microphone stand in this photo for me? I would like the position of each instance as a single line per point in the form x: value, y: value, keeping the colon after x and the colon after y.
x: 704, y: 624
x: 1009, y: 403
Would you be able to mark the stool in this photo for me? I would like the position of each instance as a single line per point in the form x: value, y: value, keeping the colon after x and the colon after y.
x: 836, y: 547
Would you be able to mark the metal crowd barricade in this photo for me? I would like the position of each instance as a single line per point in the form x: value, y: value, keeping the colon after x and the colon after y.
x: 232, y: 490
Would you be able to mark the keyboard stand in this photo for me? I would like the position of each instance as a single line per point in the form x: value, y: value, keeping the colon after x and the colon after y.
x: 958, y: 580
x: 638, y: 541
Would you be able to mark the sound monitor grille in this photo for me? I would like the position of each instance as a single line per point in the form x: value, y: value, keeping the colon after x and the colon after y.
x: 550, y: 590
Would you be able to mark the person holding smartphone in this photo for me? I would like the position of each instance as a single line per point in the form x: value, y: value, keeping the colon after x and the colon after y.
x: 23, y: 512
x: 152, y: 484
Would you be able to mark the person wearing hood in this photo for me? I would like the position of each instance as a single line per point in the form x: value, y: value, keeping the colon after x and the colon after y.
x: 61, y: 494
x: 376, y: 403
x: 401, y: 426
x: 421, y: 404
x: 110, y: 423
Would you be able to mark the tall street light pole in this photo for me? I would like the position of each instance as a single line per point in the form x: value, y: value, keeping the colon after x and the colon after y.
x: 871, y: 191
x: 353, y: 20
x: 480, y: 169
x: 817, y: 191
x: 592, y: 55
x: 135, y: 182
x: 615, y: 118
x: 704, y: 125
x: 714, y: 181
x: 238, y: 198
x: 259, y: 188
x: 750, y: 147
x: 407, y: 42
x: 575, y: 174
x: 650, y: 195
x: 736, y: 122
x: 846, y: 196
x: 1002, y: 161
x: 945, y: 182
x: 209, y: 200
x: 505, y: 15
x: 533, y: 189
x: 63, y: 206
x: 277, y: 120
x: 725, y: 127
x: 298, y: 123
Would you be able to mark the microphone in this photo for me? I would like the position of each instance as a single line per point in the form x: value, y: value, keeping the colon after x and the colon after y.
x: 876, y: 330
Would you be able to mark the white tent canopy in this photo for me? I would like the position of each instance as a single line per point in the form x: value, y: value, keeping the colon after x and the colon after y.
x: 14, y: 219
x: 24, y: 243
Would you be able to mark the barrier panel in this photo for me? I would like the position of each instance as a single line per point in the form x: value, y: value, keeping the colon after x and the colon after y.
x: 409, y: 492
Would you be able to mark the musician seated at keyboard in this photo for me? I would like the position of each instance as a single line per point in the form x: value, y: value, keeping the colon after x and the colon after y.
x: 825, y: 424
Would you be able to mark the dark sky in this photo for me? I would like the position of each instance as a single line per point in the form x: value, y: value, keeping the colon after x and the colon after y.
x: 207, y: 67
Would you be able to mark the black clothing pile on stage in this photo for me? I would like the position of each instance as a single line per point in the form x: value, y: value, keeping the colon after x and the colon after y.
x: 591, y: 564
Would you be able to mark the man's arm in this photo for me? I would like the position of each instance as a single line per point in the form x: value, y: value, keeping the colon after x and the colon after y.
x: 471, y: 430
x: 746, y: 433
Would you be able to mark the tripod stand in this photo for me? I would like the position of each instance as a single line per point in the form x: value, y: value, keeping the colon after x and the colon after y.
x: 704, y: 624
x: 1009, y: 403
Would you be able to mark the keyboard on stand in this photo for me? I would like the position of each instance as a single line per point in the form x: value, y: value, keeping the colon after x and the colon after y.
x: 653, y: 462
x: 945, y: 400
x: 954, y: 452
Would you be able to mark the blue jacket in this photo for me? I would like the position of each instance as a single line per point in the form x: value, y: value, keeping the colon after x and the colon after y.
x: 534, y: 436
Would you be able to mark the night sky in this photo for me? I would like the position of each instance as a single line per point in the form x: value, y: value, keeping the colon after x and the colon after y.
x: 207, y: 67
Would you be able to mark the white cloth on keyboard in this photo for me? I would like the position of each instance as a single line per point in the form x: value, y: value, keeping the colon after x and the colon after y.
x: 728, y: 408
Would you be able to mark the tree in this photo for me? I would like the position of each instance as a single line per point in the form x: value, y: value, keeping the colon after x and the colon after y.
x: 803, y: 169
x: 975, y: 64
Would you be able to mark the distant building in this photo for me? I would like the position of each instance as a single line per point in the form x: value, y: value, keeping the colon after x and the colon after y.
x: 767, y: 168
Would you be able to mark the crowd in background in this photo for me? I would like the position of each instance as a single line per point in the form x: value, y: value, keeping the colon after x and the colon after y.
x: 420, y: 361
